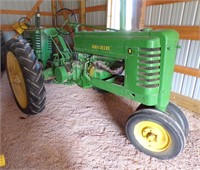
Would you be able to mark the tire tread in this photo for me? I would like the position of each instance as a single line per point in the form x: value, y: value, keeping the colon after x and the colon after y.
x: 32, y: 72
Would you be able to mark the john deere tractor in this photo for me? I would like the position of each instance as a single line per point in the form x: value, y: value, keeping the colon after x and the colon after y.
x: 137, y: 65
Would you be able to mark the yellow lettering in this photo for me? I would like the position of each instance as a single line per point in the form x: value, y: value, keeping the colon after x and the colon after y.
x: 101, y: 47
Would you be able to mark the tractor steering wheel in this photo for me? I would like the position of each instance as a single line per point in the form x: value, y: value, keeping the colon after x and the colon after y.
x: 24, y: 23
x: 69, y: 16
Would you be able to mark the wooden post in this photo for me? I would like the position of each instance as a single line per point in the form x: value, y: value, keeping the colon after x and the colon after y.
x: 62, y: 6
x: 34, y: 9
x: 142, y: 16
x: 82, y: 13
x: 53, y: 9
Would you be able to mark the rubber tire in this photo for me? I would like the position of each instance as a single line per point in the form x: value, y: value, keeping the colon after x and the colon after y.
x: 32, y: 73
x: 3, y: 53
x: 175, y: 113
x: 172, y: 127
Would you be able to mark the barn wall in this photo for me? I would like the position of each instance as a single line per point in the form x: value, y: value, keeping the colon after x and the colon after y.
x: 92, y: 18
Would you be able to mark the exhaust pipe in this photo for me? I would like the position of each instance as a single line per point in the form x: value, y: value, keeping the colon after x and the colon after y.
x: 136, y: 7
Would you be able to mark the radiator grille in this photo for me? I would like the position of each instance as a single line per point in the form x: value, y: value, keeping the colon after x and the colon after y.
x: 148, y: 67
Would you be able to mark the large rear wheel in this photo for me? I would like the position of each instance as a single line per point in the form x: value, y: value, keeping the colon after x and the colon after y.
x: 155, y: 133
x: 25, y: 77
x: 3, y: 53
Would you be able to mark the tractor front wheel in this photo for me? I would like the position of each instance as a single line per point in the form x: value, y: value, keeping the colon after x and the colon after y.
x: 155, y: 133
x: 175, y: 113
x: 25, y: 77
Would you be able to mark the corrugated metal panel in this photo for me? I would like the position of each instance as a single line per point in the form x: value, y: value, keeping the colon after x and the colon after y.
x: 181, y: 59
x: 95, y: 2
x: 96, y: 18
x: 197, y: 20
x: 166, y: 14
x: 189, y: 14
x: 45, y: 6
x: 196, y: 94
x: 156, y: 13
x: 75, y: 4
x: 193, y: 61
x: 148, y: 15
x: 177, y: 13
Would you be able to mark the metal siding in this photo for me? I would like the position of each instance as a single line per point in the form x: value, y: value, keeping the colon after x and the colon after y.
x: 197, y: 19
x: 193, y: 61
x: 181, y: 59
x: 190, y: 11
x: 96, y: 18
x: 156, y: 13
x: 90, y: 3
x: 196, y: 94
x: 166, y: 13
x: 75, y: 4
x: 148, y: 13
x: 188, y: 85
x: 45, y: 6
x: 177, y: 13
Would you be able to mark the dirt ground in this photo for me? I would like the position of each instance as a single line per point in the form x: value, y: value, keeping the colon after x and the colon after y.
x: 81, y: 130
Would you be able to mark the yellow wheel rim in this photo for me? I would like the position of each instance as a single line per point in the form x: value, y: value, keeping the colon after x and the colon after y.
x: 16, y: 80
x: 152, y: 136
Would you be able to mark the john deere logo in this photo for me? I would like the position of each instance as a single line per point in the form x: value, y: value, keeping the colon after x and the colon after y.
x: 130, y: 51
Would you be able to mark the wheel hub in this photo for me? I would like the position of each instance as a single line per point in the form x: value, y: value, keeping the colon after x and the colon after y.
x: 152, y: 136
x: 16, y: 80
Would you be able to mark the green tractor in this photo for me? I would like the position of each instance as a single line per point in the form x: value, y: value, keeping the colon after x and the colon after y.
x: 137, y: 65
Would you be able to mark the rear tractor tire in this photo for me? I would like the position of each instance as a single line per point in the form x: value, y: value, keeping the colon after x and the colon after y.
x: 3, y: 53
x: 25, y: 77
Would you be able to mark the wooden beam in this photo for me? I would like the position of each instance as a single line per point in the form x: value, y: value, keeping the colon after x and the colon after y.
x: 82, y: 13
x: 45, y: 13
x: 61, y: 3
x: 187, y: 70
x: 20, y: 12
x: 142, y: 15
x: 6, y: 27
x: 77, y: 11
x: 186, y: 32
x: 186, y: 102
x: 96, y: 8
x: 34, y: 9
x: 53, y: 8
x: 160, y: 2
